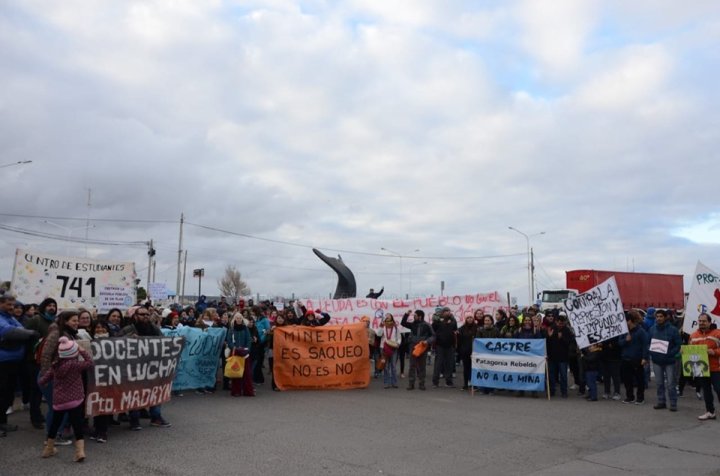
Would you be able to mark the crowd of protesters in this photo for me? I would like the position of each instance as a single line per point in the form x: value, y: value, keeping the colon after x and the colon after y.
x: 42, y: 355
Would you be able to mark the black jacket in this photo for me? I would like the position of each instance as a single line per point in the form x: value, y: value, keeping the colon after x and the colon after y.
x: 445, y: 330
x: 558, y: 345
x: 419, y: 330
x: 466, y: 336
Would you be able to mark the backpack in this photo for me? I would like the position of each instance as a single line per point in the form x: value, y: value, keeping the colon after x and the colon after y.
x: 38, y: 350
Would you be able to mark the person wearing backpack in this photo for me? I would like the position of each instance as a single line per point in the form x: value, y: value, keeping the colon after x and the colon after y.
x: 39, y: 322
x: 66, y: 325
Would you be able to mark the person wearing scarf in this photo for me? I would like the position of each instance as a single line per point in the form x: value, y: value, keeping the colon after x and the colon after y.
x: 389, y: 342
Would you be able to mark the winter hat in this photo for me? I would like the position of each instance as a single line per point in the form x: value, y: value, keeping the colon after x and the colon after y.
x: 310, y: 312
x: 67, y: 348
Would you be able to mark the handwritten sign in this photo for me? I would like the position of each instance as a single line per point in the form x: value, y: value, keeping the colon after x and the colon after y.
x: 131, y: 373
x: 515, y: 364
x: 73, y: 282
x: 349, y: 311
x: 596, y: 315
x: 659, y: 346
x: 704, y: 297
x: 321, y: 358
x: 200, y: 358
x: 158, y: 291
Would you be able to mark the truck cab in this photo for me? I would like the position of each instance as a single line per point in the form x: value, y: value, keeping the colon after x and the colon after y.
x: 553, y: 298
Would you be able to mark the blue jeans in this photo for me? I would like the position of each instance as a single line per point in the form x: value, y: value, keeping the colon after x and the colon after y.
x: 390, y: 370
x: 47, y: 392
x: 558, y: 372
x: 591, y: 380
x: 665, y: 375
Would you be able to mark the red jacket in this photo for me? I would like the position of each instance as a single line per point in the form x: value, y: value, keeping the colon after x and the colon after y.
x: 711, y: 339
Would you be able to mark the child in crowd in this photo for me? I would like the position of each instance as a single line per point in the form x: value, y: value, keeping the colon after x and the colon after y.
x: 68, y: 394
x: 591, y: 363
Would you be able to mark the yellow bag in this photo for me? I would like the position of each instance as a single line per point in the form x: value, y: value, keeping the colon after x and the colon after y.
x: 235, y: 367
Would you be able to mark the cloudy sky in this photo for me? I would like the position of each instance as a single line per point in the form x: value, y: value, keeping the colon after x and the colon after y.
x: 360, y: 125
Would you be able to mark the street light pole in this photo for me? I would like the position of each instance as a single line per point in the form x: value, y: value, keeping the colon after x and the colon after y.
x: 401, y: 269
x: 69, y: 231
x: 410, y: 273
x: 531, y: 280
x: 21, y: 162
x: 400, y: 256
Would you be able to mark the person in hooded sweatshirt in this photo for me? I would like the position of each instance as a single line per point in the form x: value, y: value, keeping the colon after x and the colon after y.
x: 647, y: 324
x: 633, y: 355
x: 664, y: 349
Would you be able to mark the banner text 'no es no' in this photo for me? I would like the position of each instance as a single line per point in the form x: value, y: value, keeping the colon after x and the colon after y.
x: 321, y: 358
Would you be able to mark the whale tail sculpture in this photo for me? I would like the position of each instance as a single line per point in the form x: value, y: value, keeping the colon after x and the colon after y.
x: 346, y: 287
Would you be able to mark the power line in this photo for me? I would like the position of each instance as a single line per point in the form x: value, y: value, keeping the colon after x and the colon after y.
x: 70, y: 239
x: 115, y: 220
x: 337, y: 250
x: 243, y: 235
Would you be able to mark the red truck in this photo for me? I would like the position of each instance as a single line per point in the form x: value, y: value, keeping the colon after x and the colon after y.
x: 637, y: 290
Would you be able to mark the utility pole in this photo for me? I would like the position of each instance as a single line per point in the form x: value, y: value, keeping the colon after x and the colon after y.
x: 182, y: 296
x: 151, y: 254
x: 532, y: 275
x: 154, y: 268
x: 199, y: 273
x: 180, y: 245
x: 87, y: 221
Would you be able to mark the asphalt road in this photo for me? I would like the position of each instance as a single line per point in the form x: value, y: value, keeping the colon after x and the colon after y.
x: 389, y: 432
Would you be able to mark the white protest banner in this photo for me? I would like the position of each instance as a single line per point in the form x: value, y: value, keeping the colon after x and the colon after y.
x: 704, y: 297
x: 596, y: 315
x: 348, y: 311
x: 73, y: 282
x: 158, y: 291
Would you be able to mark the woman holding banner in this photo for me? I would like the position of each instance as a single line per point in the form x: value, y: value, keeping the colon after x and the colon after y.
x: 280, y: 321
x: 389, y: 342
x: 510, y: 329
x: 466, y: 336
x: 239, y: 342
x: 488, y: 331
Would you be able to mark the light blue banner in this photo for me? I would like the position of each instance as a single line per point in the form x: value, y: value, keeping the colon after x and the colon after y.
x: 513, y: 364
x: 200, y: 357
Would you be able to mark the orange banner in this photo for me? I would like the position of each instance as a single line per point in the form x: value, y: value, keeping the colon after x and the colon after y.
x: 321, y: 358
